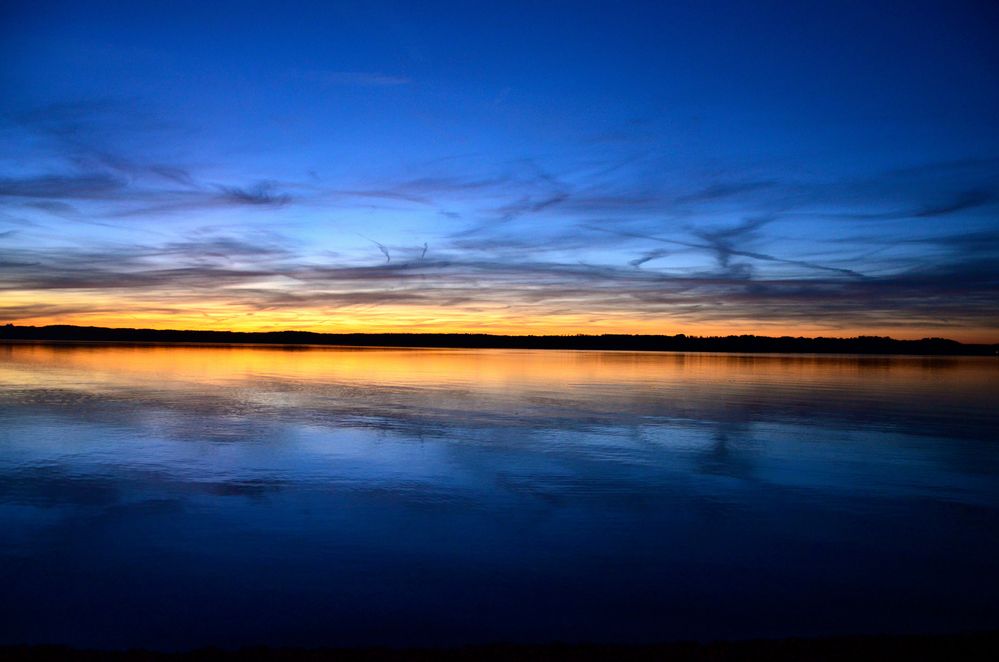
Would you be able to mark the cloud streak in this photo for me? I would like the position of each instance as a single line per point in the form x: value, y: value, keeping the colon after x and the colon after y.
x: 354, y: 78
x: 271, y: 279
x: 597, y: 240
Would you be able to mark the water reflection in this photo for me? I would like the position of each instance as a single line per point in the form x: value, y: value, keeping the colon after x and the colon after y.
x: 165, y: 497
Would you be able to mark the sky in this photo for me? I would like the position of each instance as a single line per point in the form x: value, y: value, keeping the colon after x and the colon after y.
x: 709, y: 168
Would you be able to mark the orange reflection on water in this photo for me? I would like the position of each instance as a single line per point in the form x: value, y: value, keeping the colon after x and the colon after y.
x: 948, y: 377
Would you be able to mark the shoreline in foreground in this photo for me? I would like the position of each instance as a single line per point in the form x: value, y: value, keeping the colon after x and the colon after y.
x: 607, y: 342
x: 966, y: 646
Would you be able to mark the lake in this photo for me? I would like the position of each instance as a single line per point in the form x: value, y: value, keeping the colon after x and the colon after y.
x: 174, y: 497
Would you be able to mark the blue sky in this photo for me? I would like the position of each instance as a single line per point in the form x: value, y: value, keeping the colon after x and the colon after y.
x: 801, y: 168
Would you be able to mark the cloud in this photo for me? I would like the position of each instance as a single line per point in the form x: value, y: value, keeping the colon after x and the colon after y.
x: 958, y: 202
x: 132, y: 200
x: 383, y: 249
x: 174, y: 174
x: 724, y: 190
x: 603, y: 234
x: 722, y: 242
x: 964, y: 200
x: 649, y: 256
x: 260, y: 194
x: 78, y: 187
x: 98, y: 144
x: 354, y: 78
x: 236, y: 272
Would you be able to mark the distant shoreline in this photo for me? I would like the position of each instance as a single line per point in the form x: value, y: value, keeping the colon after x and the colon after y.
x: 66, y: 334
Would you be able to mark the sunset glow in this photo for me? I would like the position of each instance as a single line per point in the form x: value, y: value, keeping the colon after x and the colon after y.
x: 602, y: 173
x: 395, y: 330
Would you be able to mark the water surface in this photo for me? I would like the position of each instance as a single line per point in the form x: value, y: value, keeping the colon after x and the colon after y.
x: 172, y: 497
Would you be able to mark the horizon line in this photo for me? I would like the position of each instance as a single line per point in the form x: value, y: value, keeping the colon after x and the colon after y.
x: 749, y: 343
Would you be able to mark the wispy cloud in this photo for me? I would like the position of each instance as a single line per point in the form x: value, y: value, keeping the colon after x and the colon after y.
x: 77, y: 187
x: 355, y: 78
x: 609, y: 236
x: 957, y: 202
x: 263, y: 193
x: 230, y: 272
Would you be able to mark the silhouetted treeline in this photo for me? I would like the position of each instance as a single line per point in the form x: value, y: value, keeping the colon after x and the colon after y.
x: 677, y: 343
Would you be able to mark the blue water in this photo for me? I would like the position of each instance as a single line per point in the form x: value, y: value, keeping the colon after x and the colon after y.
x: 180, y: 497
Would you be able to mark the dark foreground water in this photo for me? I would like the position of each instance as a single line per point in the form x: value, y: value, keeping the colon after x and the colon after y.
x: 178, y: 497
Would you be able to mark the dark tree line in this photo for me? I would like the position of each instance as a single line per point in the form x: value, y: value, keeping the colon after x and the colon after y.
x: 677, y: 343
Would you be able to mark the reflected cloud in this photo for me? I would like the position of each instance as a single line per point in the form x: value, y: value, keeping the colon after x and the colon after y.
x: 320, y: 468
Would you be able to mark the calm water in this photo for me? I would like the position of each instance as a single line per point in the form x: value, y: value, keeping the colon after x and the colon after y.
x: 177, y: 497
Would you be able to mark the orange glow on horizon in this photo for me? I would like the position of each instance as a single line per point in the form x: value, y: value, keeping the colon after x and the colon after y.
x: 179, y: 311
x: 410, y: 319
